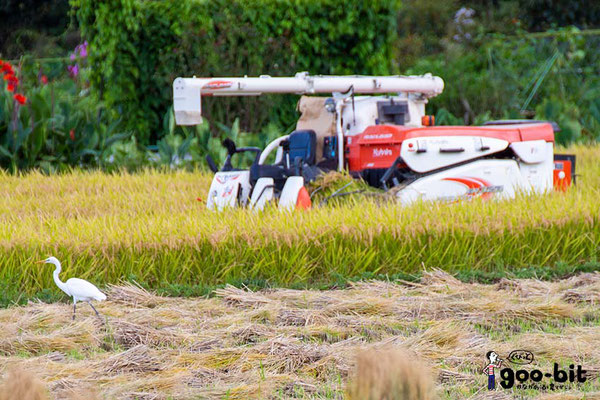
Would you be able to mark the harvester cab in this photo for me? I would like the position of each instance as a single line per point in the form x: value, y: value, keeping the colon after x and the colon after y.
x: 376, y: 128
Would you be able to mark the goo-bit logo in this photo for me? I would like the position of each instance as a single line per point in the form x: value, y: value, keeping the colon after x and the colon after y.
x: 382, y: 152
x: 555, y: 378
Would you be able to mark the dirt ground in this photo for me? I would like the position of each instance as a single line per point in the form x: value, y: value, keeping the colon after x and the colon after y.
x: 303, y: 343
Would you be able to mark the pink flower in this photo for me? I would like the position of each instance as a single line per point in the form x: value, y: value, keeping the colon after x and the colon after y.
x: 73, y: 70
x: 82, y: 50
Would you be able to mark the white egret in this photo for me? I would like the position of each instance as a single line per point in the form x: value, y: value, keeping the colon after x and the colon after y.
x: 78, y: 289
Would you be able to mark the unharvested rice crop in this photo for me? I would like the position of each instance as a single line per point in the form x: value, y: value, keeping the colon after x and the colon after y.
x: 150, y: 227
x: 410, y: 340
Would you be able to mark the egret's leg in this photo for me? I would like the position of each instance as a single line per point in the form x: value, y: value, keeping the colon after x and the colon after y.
x: 74, y: 309
x: 94, y: 309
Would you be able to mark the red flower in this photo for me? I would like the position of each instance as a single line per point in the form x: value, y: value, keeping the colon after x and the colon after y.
x: 72, y: 134
x: 9, y: 76
x: 7, y: 68
x: 20, y: 98
x: 13, y: 80
x: 10, y: 87
x: 44, y: 79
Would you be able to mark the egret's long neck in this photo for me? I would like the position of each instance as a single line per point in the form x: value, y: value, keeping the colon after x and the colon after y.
x: 57, y: 280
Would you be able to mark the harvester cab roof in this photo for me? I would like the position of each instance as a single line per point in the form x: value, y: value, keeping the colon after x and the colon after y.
x: 376, y: 128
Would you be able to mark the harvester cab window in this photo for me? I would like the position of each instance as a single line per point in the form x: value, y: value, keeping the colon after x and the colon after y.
x: 392, y: 112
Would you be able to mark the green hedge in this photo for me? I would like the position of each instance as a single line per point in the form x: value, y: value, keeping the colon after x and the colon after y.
x: 553, y: 76
x: 137, y: 48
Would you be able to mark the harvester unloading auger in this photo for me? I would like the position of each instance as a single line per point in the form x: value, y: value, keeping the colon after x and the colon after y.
x: 387, y: 140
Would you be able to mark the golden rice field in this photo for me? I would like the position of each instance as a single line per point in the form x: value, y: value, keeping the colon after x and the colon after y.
x: 405, y: 340
x: 150, y: 227
x: 281, y: 342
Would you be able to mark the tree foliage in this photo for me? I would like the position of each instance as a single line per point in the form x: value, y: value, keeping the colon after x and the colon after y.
x: 138, y: 47
x: 30, y: 25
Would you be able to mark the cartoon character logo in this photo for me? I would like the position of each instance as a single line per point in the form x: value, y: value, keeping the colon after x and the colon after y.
x: 494, y: 363
x: 227, y: 191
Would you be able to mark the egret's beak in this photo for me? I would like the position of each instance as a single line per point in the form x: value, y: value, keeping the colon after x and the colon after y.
x: 40, y: 262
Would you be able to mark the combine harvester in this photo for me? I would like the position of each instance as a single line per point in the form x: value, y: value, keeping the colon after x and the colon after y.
x: 386, y: 140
